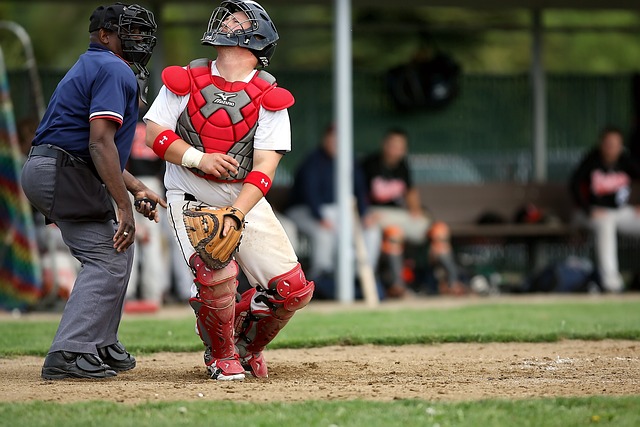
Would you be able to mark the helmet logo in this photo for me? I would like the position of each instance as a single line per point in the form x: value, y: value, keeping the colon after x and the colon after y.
x: 224, y: 99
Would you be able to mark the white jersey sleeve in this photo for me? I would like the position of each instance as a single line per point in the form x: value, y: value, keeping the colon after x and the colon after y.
x: 166, y: 108
x: 274, y: 131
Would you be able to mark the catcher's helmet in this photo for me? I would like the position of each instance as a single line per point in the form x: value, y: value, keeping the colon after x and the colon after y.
x: 135, y: 27
x: 257, y: 33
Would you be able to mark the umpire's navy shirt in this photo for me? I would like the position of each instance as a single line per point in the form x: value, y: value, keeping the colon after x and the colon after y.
x: 100, y: 85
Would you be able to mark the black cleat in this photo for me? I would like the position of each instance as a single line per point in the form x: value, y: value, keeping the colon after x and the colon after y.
x: 117, y: 357
x: 64, y: 364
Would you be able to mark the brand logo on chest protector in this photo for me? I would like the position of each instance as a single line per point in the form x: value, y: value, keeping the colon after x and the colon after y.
x: 224, y: 99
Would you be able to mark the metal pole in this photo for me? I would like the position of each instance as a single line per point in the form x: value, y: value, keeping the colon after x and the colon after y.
x: 343, y: 111
x: 539, y: 87
x: 30, y: 62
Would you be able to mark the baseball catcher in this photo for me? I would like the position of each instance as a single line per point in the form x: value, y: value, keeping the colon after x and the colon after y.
x: 222, y: 126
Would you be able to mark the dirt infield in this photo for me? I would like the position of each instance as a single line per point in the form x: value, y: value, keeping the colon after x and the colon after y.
x: 445, y: 372
x: 431, y: 372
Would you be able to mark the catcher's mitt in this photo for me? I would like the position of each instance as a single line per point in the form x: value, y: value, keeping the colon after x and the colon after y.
x: 204, y: 228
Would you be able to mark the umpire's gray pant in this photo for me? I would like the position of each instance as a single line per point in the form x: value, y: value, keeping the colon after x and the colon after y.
x: 92, y: 314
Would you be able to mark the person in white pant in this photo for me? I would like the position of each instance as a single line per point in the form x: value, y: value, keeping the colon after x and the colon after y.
x: 601, y: 187
x: 149, y: 278
x: 313, y: 209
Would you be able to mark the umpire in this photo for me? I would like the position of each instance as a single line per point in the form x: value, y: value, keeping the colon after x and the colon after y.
x: 75, y: 175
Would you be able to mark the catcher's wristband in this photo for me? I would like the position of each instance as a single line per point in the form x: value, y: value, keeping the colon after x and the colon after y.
x: 191, y: 158
x: 260, y: 180
x: 163, y: 141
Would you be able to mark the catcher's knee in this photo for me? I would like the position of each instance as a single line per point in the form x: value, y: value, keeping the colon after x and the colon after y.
x: 213, y: 284
x: 256, y: 325
x: 291, y: 290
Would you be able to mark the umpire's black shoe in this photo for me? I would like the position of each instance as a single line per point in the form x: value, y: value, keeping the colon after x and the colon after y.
x: 117, y: 357
x: 64, y: 364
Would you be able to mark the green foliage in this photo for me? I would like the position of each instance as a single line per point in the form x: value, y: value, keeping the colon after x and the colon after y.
x: 561, y: 412
x: 483, y: 40
x: 314, y: 328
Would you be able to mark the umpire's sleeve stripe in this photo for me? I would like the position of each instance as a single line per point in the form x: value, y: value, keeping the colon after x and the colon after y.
x: 109, y: 115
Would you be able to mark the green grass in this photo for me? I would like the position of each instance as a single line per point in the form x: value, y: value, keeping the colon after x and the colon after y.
x: 560, y: 412
x: 494, y: 322
x: 590, y: 320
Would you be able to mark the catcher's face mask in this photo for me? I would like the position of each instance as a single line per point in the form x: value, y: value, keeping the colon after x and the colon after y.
x: 244, y: 24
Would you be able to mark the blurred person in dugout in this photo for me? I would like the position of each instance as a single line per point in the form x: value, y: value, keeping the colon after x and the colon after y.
x: 149, y: 278
x: 397, y: 208
x: 158, y: 267
x: 314, y: 210
x: 601, y: 188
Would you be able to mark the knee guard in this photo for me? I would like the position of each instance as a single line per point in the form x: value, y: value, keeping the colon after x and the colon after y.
x: 214, y: 308
x: 390, y: 264
x: 262, y: 313
x: 392, y: 240
x: 439, y: 239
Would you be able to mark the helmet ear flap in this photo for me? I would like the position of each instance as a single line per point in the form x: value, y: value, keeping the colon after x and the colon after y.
x: 264, y: 55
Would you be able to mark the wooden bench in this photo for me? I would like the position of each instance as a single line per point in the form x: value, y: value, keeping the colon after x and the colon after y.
x: 462, y: 205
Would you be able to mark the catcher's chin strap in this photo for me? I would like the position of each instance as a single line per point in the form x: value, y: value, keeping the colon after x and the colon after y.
x: 214, y: 307
x: 255, y: 326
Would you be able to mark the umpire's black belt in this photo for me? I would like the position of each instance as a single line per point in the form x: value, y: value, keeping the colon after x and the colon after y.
x: 46, y: 150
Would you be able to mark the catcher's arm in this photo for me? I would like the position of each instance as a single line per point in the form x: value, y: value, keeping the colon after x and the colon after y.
x: 216, y: 164
x: 265, y: 161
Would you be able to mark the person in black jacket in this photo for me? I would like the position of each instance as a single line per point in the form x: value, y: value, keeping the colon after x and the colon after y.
x: 398, y: 209
x: 601, y: 187
x: 313, y: 208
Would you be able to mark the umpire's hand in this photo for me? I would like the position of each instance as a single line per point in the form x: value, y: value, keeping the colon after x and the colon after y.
x: 146, y: 203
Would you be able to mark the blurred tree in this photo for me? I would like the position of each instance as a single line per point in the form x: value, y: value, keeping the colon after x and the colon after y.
x: 481, y: 40
x: 56, y: 31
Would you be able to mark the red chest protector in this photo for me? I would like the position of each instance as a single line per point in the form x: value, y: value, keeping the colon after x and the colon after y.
x: 222, y: 116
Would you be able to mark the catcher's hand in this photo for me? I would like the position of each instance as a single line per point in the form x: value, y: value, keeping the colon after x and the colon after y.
x: 204, y: 228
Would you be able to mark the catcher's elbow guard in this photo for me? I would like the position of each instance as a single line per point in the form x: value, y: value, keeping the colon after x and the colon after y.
x: 259, y: 179
x: 163, y: 141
